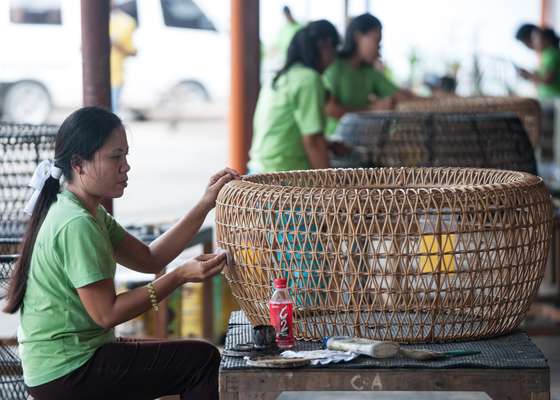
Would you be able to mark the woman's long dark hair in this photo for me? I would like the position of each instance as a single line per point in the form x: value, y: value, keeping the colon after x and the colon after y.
x: 304, y: 46
x: 363, y: 24
x: 78, y: 138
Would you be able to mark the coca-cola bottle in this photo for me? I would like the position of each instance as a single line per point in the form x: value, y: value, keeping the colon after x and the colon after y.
x: 281, y: 307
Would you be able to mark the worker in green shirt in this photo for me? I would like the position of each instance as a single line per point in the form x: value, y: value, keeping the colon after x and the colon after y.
x: 352, y: 82
x: 63, y: 282
x: 287, y: 32
x: 289, y: 118
x: 547, y: 77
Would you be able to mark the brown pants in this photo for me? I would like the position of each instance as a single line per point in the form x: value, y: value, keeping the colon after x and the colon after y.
x: 140, y: 369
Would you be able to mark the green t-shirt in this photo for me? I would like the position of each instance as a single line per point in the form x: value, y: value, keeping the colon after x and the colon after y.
x: 73, y: 249
x: 284, y: 114
x: 550, y: 63
x: 352, y: 86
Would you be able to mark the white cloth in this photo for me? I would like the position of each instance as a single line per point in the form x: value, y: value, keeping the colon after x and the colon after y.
x: 321, y: 356
x: 44, y: 170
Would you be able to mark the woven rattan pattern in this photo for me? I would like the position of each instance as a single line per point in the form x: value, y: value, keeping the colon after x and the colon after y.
x: 402, y: 139
x: 22, y: 147
x: 408, y: 254
x: 528, y: 110
x: 7, y: 263
x: 11, y: 378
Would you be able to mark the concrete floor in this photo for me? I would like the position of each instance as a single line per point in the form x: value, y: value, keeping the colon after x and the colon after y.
x: 171, y: 164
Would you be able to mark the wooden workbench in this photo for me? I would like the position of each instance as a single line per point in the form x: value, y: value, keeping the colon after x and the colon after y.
x: 509, y: 367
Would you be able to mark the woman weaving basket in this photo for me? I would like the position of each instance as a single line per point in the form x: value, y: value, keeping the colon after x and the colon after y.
x: 64, y: 287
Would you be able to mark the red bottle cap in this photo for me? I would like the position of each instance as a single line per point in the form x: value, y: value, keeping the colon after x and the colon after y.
x: 280, y: 283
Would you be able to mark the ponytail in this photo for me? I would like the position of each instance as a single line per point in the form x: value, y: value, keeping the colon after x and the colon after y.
x: 18, y: 280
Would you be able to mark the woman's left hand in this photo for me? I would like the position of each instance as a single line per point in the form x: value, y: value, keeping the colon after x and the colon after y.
x: 216, y: 183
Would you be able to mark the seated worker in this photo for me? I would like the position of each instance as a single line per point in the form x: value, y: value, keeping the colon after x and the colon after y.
x: 289, y: 118
x: 352, y: 81
x: 63, y: 282
x: 547, y: 77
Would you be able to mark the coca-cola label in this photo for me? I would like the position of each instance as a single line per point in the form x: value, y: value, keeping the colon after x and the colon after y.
x: 281, y: 320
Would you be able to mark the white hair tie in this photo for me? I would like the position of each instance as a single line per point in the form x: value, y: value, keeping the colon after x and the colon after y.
x: 44, y: 170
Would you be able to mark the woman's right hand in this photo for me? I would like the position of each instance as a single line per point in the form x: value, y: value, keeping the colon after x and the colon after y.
x: 334, y: 109
x: 202, y: 267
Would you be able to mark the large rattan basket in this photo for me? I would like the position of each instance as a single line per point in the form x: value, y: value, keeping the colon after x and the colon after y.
x: 407, y: 254
x: 403, y: 139
x: 528, y: 110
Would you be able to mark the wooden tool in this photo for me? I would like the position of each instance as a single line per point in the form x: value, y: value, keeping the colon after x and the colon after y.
x: 372, y: 348
x: 277, y: 362
x: 423, y: 354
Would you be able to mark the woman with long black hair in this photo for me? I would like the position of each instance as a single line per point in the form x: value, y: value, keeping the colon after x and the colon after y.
x: 289, y: 118
x: 63, y: 283
x: 352, y: 81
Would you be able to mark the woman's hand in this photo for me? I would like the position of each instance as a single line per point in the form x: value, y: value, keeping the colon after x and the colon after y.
x: 382, y: 104
x: 217, y: 182
x: 334, y: 109
x: 202, y: 267
x: 339, y: 148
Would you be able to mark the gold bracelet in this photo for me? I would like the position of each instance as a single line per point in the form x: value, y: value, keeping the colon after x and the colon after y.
x: 153, y: 298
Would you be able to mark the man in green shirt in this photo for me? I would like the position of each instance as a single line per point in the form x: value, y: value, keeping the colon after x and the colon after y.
x: 289, y: 118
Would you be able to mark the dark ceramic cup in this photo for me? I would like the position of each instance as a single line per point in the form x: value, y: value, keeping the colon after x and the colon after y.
x: 264, y: 336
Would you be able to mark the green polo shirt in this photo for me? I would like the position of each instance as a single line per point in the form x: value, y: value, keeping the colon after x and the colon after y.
x: 352, y: 86
x: 550, y: 63
x: 73, y: 249
x: 284, y: 114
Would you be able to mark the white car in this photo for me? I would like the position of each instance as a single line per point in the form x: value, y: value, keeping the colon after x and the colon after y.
x: 182, y: 58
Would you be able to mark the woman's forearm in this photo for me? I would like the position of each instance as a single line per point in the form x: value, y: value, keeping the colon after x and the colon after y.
x: 109, y: 310
x: 316, y: 151
x: 337, y: 111
x: 169, y: 245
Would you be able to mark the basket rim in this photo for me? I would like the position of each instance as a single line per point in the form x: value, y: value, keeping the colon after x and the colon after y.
x: 456, y: 115
x: 523, y: 180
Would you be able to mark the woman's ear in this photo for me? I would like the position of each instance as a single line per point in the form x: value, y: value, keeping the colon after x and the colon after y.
x: 76, y: 164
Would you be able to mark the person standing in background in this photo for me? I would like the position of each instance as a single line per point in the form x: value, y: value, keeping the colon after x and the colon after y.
x: 121, y: 31
x: 286, y: 33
